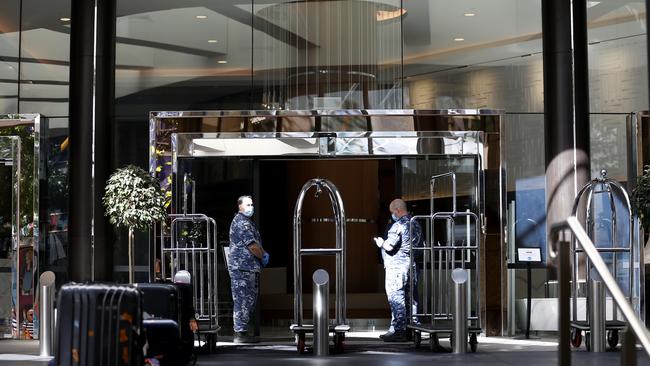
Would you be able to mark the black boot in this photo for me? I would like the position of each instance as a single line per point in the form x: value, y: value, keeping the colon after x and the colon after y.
x: 241, y: 337
x: 398, y: 336
x: 389, y: 333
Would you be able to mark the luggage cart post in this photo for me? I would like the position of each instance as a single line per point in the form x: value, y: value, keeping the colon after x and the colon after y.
x: 321, y: 312
x: 46, y: 316
x: 459, y: 276
x: 597, y: 315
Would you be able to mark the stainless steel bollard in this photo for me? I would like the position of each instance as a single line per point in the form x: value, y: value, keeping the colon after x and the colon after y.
x: 321, y: 312
x: 46, y: 314
x: 597, y: 316
x: 459, y: 336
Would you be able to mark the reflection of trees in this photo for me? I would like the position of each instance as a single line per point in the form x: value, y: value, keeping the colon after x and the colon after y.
x: 57, y: 178
x: 6, y: 184
x: 26, y: 135
x: 605, y: 153
x: 163, y: 153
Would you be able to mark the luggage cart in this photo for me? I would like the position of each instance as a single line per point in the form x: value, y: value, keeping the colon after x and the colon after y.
x: 199, y: 258
x: 609, y: 187
x: 438, y: 262
x: 299, y: 328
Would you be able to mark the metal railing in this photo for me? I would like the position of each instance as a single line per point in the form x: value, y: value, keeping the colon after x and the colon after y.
x: 560, y: 254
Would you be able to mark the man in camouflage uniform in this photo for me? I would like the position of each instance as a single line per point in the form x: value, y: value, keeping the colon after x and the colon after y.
x: 396, y: 249
x: 245, y: 261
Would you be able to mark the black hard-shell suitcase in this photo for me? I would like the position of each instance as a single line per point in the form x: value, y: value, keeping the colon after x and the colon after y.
x: 186, y: 308
x: 163, y: 341
x: 160, y: 300
x: 186, y: 303
x: 174, y: 302
x: 99, y: 325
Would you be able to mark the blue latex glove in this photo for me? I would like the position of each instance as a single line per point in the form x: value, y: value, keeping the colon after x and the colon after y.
x: 265, y: 259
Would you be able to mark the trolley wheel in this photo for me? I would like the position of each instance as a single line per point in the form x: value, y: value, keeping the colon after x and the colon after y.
x: 434, y: 343
x: 612, y: 338
x: 576, y: 337
x: 300, y: 345
x: 212, y: 343
x: 339, y: 342
x: 588, y: 341
x: 473, y: 342
x: 417, y: 338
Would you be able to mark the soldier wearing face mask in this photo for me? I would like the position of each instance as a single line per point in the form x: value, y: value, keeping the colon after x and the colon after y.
x: 396, y: 249
x: 246, y: 258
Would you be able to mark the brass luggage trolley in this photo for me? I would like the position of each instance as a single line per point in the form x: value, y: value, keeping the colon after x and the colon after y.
x: 339, y: 328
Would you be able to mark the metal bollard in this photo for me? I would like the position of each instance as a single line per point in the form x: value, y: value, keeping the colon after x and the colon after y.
x: 459, y: 336
x: 597, y: 316
x: 321, y: 312
x: 46, y: 314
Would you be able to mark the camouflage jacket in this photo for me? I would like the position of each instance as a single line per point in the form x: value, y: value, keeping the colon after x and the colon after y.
x: 243, y: 232
x: 398, y: 237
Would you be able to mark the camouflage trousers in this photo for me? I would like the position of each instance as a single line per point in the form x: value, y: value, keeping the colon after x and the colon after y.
x: 244, y: 286
x: 397, y: 291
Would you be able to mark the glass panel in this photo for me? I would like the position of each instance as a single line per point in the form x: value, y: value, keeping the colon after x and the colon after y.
x: 473, y: 54
x: 9, y: 38
x: 339, y: 54
x: 617, y: 56
x: 54, y: 243
x: 25, y: 128
x: 45, y: 54
x: 609, y: 142
x: 526, y: 167
x: 194, y: 56
x: 9, y: 216
x: 525, y: 163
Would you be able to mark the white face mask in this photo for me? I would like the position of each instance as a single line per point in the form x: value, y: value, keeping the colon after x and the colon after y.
x: 248, y: 211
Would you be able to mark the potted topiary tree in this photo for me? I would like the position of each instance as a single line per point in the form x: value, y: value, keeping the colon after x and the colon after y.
x: 641, y: 199
x: 133, y: 199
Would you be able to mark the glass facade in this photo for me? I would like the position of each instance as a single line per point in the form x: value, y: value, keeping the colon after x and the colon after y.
x: 326, y: 55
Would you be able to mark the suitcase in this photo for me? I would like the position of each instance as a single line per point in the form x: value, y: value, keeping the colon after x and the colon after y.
x: 160, y: 300
x: 163, y: 341
x: 167, y: 301
x: 99, y: 324
x: 186, y: 303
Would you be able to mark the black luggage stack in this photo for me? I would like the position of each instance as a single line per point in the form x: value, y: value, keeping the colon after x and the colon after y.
x: 166, y: 322
x: 99, y: 325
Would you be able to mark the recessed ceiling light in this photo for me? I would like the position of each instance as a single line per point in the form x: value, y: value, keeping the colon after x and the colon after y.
x: 469, y: 14
x: 201, y: 17
x: 222, y: 62
x: 64, y: 19
x: 459, y: 39
x: 212, y: 41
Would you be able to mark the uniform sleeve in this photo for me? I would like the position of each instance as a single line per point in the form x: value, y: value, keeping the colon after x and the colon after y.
x: 394, y: 235
x: 417, y: 235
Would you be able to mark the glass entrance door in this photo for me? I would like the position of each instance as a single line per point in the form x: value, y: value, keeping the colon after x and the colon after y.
x: 9, y: 215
